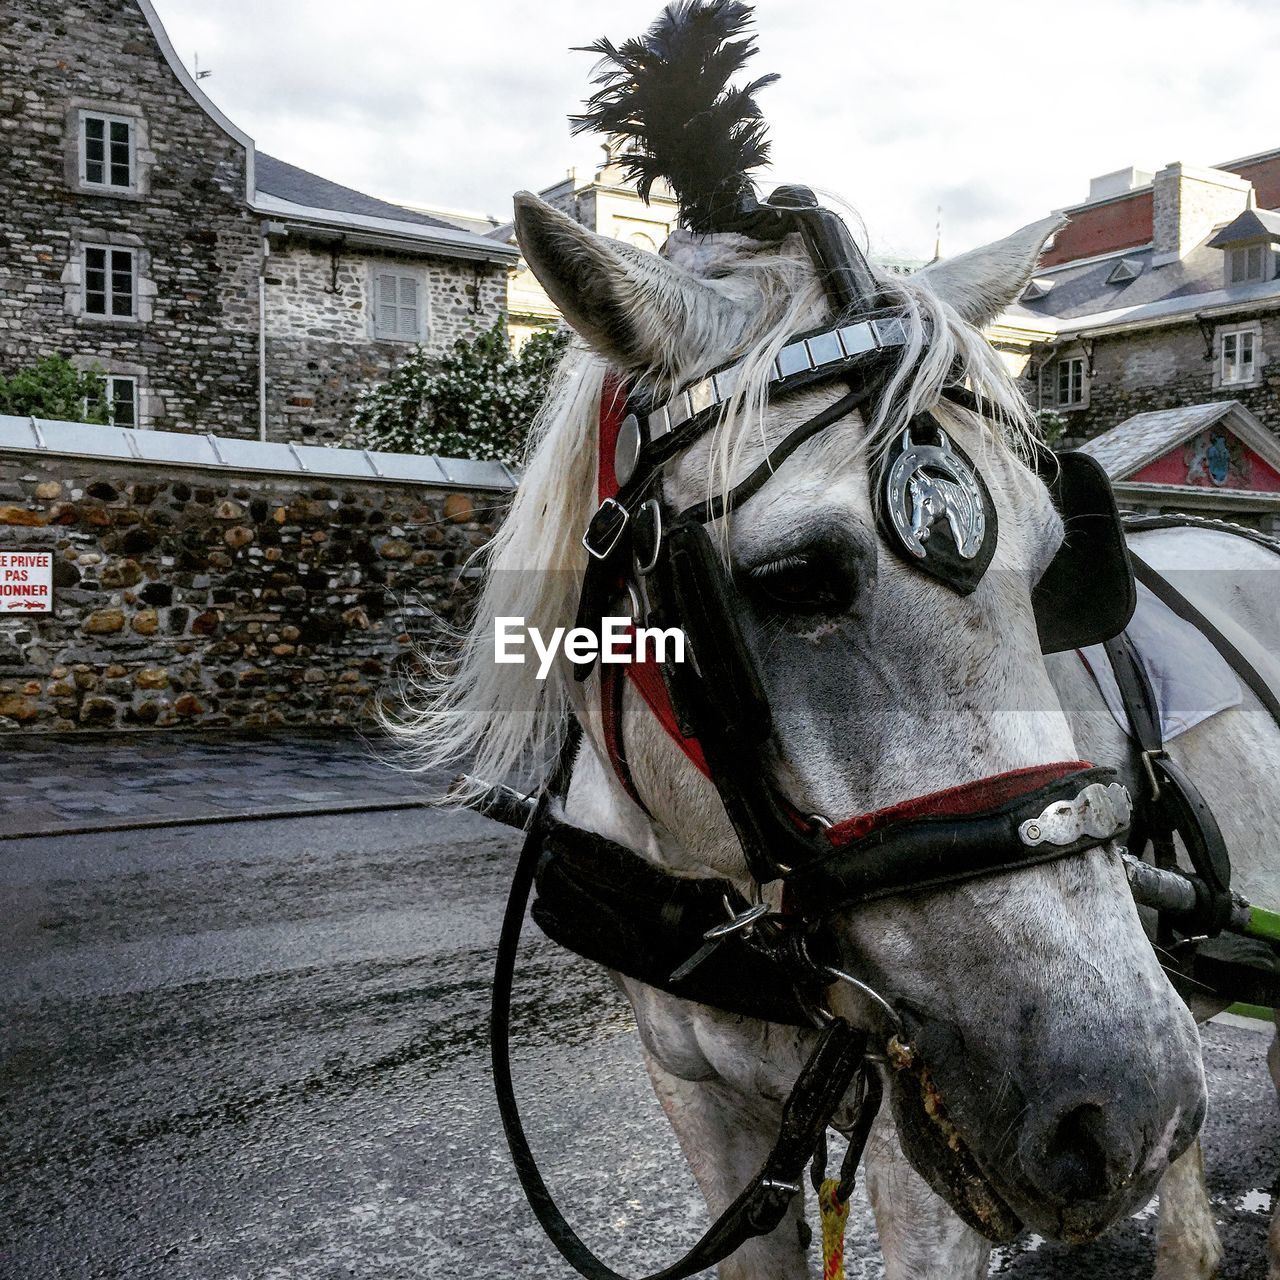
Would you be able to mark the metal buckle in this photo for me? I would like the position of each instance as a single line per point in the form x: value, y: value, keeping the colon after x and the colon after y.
x: 653, y: 511
x: 605, y: 529
x: 740, y: 923
x: 1147, y: 758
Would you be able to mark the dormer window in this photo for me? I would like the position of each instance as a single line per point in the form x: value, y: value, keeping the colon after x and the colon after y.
x: 1248, y: 262
x: 1038, y: 288
x: 1125, y: 270
x: 1248, y: 245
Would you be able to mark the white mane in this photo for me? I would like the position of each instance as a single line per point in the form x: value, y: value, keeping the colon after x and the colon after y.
x: 464, y: 709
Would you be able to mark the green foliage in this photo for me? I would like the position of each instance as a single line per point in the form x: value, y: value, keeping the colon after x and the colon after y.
x: 476, y: 401
x: 1053, y: 426
x: 54, y: 388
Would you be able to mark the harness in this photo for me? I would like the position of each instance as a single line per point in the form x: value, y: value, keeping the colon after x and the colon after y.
x: 703, y: 939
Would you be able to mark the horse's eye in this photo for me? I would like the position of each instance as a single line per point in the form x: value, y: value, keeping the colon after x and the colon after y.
x: 803, y: 584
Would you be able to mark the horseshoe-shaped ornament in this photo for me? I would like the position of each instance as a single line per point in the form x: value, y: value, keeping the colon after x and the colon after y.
x: 937, y: 512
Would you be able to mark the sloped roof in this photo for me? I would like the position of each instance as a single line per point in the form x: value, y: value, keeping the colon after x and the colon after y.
x: 288, y: 182
x: 1147, y: 436
x: 303, y: 203
x: 1252, y: 224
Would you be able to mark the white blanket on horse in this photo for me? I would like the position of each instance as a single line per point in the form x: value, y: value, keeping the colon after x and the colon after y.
x: 1191, y: 679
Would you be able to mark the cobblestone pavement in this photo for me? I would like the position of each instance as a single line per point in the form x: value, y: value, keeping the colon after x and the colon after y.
x: 50, y: 782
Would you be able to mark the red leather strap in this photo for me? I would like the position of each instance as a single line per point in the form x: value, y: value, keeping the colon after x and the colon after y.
x: 957, y: 802
x: 644, y: 676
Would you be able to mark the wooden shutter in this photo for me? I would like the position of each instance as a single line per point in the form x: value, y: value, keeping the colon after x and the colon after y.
x: 384, y: 323
x: 408, y: 307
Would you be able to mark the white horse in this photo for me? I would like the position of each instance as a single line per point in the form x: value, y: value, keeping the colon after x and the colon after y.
x: 1068, y: 1064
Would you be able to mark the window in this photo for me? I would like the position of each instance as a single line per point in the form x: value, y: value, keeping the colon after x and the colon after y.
x: 397, y: 306
x: 106, y: 152
x: 1071, y: 381
x: 122, y: 400
x: 1248, y: 262
x: 109, y: 282
x: 119, y: 398
x: 1239, y: 356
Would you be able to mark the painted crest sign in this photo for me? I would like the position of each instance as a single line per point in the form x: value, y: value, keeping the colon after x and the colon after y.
x: 26, y: 581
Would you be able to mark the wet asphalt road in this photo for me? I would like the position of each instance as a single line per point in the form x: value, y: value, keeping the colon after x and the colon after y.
x: 257, y: 1052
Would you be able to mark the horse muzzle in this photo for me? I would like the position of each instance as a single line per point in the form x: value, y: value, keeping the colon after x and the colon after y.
x: 1066, y: 1156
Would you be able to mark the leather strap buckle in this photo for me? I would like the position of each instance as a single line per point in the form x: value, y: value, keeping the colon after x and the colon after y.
x: 1148, y: 765
x: 605, y: 529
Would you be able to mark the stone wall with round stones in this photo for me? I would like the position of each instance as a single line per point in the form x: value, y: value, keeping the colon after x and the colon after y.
x: 189, y: 597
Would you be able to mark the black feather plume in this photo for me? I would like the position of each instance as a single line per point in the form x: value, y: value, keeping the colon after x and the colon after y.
x: 667, y: 95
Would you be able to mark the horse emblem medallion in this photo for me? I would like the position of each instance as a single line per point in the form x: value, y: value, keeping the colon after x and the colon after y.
x: 928, y: 483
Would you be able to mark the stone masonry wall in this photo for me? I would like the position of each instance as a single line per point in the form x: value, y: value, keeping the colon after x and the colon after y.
x: 194, y: 597
x: 1163, y: 369
x: 320, y: 347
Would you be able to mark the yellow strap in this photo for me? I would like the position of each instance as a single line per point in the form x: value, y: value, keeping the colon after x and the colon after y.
x: 835, y: 1214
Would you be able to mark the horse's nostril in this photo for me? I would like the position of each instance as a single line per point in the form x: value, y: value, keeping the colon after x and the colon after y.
x: 1076, y: 1166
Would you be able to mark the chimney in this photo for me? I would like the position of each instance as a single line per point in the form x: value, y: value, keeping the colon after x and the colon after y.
x: 1188, y: 202
x: 1119, y: 182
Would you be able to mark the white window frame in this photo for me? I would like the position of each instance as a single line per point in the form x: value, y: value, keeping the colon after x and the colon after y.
x: 383, y: 333
x: 111, y: 382
x: 1075, y: 370
x: 110, y: 313
x: 107, y: 121
x: 1239, y: 252
x: 1232, y: 370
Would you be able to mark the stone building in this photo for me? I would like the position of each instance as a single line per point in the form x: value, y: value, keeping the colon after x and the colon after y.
x: 219, y: 289
x: 1162, y: 291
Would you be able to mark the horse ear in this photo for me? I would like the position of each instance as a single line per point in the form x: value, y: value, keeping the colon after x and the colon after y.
x: 631, y: 306
x: 981, y: 283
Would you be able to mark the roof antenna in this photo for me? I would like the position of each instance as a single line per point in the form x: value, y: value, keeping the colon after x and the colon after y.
x: 201, y: 75
x: 937, y: 237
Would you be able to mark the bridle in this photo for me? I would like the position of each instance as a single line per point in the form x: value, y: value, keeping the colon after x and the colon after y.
x: 702, y: 939
x: 662, y: 563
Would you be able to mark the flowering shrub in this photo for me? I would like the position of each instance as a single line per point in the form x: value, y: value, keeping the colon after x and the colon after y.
x: 476, y: 401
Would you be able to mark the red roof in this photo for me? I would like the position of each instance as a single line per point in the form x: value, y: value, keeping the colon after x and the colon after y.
x: 1125, y: 221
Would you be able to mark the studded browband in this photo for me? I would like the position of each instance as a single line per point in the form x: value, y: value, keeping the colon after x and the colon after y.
x: 822, y: 352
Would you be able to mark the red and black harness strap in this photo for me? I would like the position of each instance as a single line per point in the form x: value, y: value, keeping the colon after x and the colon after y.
x: 645, y: 675
x: 607, y: 903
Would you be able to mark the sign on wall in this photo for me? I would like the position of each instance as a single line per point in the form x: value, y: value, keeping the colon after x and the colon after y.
x: 26, y: 581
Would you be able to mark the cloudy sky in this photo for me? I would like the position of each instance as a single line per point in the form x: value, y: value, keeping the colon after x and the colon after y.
x: 997, y: 110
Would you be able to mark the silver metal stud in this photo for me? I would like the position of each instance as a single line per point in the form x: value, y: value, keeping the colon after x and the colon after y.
x: 856, y: 339
x: 824, y: 348
x: 793, y: 359
x: 701, y: 395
